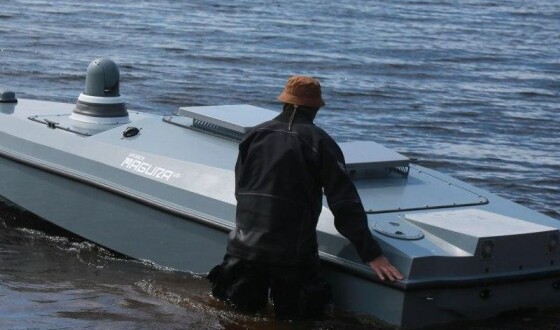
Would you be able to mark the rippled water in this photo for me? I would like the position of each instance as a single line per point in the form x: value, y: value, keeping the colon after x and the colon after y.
x: 470, y: 88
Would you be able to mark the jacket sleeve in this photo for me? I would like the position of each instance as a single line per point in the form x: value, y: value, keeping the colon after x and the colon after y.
x: 350, y: 218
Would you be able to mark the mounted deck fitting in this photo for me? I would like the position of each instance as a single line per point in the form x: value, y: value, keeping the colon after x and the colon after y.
x: 8, y: 102
x: 7, y: 97
x: 101, y: 103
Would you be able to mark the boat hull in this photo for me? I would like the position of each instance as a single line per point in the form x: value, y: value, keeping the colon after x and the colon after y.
x: 417, y: 308
x: 121, y: 224
x: 185, y: 244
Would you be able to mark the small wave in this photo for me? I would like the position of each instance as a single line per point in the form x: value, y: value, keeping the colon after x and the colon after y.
x: 155, y: 266
x: 196, y: 303
x: 155, y: 290
x: 66, y: 78
x: 552, y: 213
x: 474, y: 58
x: 539, y: 93
x: 35, y: 229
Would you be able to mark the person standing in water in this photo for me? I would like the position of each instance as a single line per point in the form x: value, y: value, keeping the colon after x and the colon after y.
x: 283, y: 167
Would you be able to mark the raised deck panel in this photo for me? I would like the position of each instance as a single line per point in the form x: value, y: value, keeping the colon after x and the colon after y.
x: 366, y: 159
x: 238, y: 117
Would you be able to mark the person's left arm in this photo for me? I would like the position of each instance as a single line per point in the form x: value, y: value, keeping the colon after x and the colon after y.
x: 350, y: 218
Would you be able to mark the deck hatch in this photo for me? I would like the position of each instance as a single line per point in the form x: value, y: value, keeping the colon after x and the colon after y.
x: 366, y: 159
x: 398, y: 228
x: 231, y: 121
x: 421, y: 190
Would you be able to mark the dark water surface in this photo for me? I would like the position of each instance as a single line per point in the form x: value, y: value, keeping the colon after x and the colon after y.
x: 470, y: 88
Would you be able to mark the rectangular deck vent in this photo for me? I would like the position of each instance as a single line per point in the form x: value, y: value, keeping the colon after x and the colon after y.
x: 231, y: 121
x: 368, y: 159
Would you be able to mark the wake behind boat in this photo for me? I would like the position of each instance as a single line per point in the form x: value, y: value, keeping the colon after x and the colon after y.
x: 161, y: 188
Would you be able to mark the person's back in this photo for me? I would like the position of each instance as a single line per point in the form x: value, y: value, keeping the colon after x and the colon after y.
x: 279, y: 189
x: 283, y: 168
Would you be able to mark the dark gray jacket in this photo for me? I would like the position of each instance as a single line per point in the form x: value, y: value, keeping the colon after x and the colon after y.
x: 282, y: 170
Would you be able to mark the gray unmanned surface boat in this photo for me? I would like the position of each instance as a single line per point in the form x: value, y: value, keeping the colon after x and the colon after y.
x: 161, y: 188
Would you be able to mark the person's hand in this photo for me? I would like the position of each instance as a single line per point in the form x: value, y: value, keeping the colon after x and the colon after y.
x: 383, y: 268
